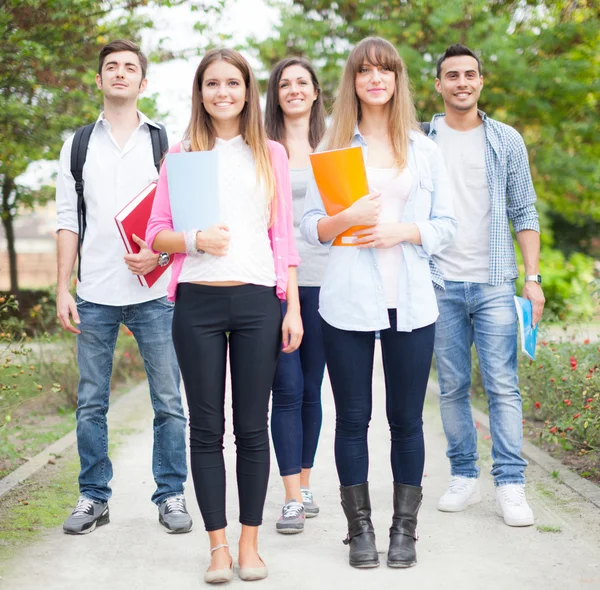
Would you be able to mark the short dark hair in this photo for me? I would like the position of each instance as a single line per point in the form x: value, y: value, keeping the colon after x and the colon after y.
x: 274, y: 123
x: 456, y: 50
x: 122, y: 45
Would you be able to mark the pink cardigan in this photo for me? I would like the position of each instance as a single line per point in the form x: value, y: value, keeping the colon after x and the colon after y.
x: 281, y: 232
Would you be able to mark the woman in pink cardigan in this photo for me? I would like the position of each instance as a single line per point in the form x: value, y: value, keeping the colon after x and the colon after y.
x: 227, y: 283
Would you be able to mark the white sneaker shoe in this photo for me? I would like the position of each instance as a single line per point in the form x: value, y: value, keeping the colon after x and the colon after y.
x: 462, y: 492
x: 512, y: 506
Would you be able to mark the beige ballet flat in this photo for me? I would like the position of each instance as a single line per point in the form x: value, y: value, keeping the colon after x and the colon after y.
x: 251, y: 574
x: 219, y: 576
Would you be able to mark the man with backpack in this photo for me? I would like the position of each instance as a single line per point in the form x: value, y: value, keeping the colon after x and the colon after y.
x: 101, y: 169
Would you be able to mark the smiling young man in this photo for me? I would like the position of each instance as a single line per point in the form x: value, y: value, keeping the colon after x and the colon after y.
x: 489, y: 171
x: 119, y: 164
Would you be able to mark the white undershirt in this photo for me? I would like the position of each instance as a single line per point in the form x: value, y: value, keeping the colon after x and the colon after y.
x: 467, y: 258
x: 394, y: 187
x: 244, y: 208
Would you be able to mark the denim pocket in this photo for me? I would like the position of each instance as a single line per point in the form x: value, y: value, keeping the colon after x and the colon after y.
x: 81, y: 302
x: 164, y: 301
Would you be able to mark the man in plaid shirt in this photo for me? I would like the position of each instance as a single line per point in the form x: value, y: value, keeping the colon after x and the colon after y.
x: 488, y: 167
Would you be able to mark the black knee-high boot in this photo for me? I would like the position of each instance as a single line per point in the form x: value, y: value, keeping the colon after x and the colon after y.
x: 403, y: 535
x: 361, y: 534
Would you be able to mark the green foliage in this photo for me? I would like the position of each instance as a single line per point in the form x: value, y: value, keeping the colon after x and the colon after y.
x: 561, y: 393
x: 562, y: 389
x: 39, y: 378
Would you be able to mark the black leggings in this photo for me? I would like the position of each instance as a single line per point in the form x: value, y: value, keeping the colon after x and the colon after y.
x: 205, y: 321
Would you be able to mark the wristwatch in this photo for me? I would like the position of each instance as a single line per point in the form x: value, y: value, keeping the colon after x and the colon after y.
x: 163, y: 259
x: 534, y: 278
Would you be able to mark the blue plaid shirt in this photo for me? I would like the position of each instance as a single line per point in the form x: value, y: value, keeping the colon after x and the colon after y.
x: 511, y: 193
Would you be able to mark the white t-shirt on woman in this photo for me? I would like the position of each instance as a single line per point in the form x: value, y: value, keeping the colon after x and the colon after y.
x: 394, y: 186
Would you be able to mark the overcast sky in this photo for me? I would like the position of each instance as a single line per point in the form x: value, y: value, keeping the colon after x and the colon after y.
x: 172, y: 81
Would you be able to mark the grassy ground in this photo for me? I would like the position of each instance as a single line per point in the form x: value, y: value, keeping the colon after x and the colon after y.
x: 43, y: 501
x: 40, y: 503
x: 41, y: 408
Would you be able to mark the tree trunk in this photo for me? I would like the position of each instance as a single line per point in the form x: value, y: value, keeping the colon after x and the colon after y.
x: 9, y: 230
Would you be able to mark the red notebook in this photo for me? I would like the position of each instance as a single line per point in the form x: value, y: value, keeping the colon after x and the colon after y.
x: 133, y: 219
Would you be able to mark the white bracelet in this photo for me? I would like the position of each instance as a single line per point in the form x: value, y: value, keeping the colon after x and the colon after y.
x: 191, y: 247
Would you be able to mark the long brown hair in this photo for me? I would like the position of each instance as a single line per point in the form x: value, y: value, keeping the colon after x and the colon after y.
x: 347, y: 111
x: 201, y: 131
x: 274, y: 122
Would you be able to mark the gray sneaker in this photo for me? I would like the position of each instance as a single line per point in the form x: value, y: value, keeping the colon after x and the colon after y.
x: 292, y: 518
x: 173, y: 515
x: 310, y: 506
x: 88, y: 514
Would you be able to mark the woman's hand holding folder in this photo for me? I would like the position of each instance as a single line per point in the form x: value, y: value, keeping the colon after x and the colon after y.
x: 214, y: 240
x: 363, y: 212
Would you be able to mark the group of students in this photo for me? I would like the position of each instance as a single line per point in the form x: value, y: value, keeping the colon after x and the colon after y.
x: 265, y: 290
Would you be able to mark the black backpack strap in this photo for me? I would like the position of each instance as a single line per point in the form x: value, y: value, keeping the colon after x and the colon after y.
x: 78, y: 156
x: 160, y: 143
x: 425, y: 126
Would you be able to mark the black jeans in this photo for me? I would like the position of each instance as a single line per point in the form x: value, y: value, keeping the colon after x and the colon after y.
x: 406, y: 363
x: 206, y: 320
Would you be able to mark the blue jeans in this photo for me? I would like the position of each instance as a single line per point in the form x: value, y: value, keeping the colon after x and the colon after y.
x: 485, y: 315
x: 406, y: 365
x: 150, y: 323
x: 297, y: 415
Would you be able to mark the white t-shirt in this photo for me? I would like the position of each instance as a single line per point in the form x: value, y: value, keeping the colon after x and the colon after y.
x: 395, y: 188
x: 244, y: 208
x: 467, y: 258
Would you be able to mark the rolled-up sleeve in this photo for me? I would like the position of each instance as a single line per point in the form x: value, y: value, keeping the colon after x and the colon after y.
x: 439, y: 230
x: 160, y: 218
x: 313, y: 212
x: 519, y: 186
x: 66, y: 196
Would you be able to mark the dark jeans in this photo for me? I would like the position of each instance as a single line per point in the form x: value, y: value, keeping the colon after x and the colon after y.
x: 207, y: 320
x: 297, y: 414
x: 406, y: 364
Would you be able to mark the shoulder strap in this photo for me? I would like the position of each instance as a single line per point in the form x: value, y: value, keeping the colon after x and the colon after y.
x: 78, y: 156
x: 425, y: 126
x: 160, y: 143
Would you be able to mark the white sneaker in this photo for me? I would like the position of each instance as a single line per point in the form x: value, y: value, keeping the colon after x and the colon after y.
x: 512, y: 506
x: 462, y: 492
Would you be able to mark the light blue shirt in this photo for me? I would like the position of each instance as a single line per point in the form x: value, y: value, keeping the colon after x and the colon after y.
x: 352, y: 295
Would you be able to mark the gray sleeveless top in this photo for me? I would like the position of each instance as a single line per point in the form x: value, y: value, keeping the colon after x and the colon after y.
x: 314, y: 258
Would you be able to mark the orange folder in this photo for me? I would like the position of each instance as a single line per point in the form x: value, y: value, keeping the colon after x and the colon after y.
x: 341, y: 179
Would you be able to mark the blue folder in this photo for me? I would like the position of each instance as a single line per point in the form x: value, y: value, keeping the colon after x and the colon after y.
x: 193, y: 179
x: 526, y: 330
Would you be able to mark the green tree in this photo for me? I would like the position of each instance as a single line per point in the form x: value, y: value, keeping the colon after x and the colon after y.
x: 47, y: 67
x: 540, y: 60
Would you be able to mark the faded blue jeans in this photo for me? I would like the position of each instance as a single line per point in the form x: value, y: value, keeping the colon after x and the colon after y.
x: 150, y: 323
x: 484, y: 315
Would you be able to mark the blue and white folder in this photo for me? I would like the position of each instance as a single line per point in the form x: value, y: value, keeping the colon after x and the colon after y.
x: 527, y: 331
x: 193, y: 179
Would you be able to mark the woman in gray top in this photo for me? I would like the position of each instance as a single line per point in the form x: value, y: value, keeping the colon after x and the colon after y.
x: 295, y: 117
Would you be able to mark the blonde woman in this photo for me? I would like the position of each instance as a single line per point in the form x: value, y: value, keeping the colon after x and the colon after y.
x: 382, y: 283
x: 228, y: 283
